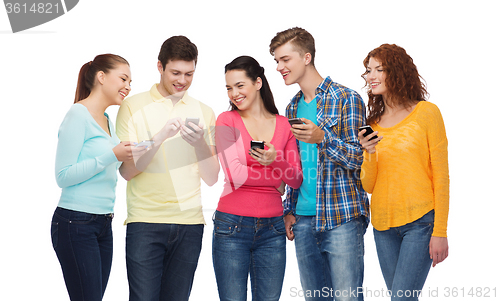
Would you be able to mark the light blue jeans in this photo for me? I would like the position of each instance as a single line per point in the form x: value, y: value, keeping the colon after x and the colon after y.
x: 249, y: 245
x: 403, y: 254
x: 331, y: 262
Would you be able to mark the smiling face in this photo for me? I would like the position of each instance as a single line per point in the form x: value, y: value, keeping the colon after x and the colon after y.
x: 116, y: 83
x: 375, y: 77
x: 176, y: 77
x: 242, y: 91
x: 291, y: 64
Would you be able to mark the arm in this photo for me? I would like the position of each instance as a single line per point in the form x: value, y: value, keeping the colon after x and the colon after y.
x: 126, y: 130
x: 346, y: 150
x: 232, y: 155
x: 71, y: 140
x: 438, y: 149
x: 141, y: 160
x: 287, y: 163
x: 206, y: 155
x: 369, y: 168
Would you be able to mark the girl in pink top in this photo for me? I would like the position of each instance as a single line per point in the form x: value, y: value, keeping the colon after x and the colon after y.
x: 249, y: 233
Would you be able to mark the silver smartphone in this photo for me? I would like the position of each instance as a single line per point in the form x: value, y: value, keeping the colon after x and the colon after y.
x: 193, y: 120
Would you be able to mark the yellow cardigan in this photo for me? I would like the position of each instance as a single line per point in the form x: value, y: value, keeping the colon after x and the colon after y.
x: 408, y: 174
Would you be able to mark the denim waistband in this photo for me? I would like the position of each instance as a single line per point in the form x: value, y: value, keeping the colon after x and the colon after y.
x: 246, y: 221
x: 68, y: 213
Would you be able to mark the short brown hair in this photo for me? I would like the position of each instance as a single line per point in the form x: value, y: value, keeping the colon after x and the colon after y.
x: 178, y: 48
x: 302, y: 41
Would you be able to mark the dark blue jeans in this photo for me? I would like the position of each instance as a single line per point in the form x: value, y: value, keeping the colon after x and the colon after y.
x: 162, y: 260
x: 84, y: 246
x: 248, y: 245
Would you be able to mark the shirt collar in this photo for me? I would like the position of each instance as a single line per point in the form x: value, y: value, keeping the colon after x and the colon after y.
x: 323, y: 87
x: 157, y: 97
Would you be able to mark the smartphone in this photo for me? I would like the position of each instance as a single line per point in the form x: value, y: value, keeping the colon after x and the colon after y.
x: 145, y: 143
x: 256, y: 144
x: 369, y: 130
x: 293, y: 121
x: 193, y: 120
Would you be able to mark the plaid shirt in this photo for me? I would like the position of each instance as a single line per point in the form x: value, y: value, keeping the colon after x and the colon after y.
x: 340, y: 197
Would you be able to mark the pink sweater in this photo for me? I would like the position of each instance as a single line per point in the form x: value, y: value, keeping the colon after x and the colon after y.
x: 249, y: 187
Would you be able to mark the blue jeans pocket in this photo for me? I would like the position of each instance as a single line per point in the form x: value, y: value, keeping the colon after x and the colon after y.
x: 74, y: 217
x: 425, y: 223
x: 224, y: 228
x: 279, y: 227
x: 54, y: 233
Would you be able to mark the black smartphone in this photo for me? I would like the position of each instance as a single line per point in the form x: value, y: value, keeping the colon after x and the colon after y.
x: 293, y: 121
x: 369, y: 130
x: 193, y: 120
x: 256, y: 144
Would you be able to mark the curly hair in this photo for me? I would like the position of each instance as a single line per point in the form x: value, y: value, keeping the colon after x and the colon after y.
x: 405, y: 86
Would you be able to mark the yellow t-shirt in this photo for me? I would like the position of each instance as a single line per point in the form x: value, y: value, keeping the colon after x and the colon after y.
x: 168, y: 191
x: 408, y: 174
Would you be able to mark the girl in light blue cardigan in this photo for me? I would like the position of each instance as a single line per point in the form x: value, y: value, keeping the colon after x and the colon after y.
x: 88, y: 155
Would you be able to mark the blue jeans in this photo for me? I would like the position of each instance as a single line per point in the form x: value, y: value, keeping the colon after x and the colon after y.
x: 331, y: 262
x: 403, y: 254
x: 243, y: 245
x: 84, y: 246
x: 162, y: 260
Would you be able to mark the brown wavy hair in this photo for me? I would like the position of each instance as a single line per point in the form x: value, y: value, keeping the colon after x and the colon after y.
x: 405, y: 86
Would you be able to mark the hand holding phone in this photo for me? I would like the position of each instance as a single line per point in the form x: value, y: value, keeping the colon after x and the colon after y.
x: 145, y: 143
x: 293, y: 121
x: 256, y: 144
x: 369, y: 130
x: 193, y: 120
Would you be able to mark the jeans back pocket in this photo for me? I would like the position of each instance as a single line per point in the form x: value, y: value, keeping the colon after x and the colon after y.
x: 54, y: 233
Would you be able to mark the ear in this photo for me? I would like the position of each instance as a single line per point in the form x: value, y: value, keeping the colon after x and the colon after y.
x: 100, y: 76
x: 307, y: 58
x: 258, y: 83
x: 160, y: 67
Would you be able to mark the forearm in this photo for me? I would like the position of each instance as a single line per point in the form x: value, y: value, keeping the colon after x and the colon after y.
x: 208, y: 164
x: 287, y: 165
x: 347, y: 154
x: 79, y: 172
x: 369, y: 170
x: 290, y: 200
x: 341, y: 143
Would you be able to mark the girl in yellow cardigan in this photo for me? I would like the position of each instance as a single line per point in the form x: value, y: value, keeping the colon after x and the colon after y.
x: 406, y: 170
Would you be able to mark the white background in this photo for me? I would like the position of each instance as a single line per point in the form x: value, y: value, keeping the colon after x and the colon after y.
x: 453, y: 43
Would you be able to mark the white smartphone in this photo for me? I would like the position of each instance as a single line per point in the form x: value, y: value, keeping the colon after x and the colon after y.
x: 145, y: 143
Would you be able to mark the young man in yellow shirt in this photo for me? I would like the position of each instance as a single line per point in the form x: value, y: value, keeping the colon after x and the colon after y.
x: 164, y: 213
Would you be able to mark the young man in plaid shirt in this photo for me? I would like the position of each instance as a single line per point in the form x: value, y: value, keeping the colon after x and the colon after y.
x: 328, y: 215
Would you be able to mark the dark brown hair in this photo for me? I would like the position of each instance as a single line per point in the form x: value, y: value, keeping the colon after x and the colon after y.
x: 405, y: 86
x: 86, y: 77
x: 302, y: 41
x: 253, y: 70
x: 178, y: 48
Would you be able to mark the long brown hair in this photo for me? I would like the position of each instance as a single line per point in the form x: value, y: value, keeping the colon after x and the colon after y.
x: 253, y: 70
x: 405, y: 86
x: 86, y: 77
